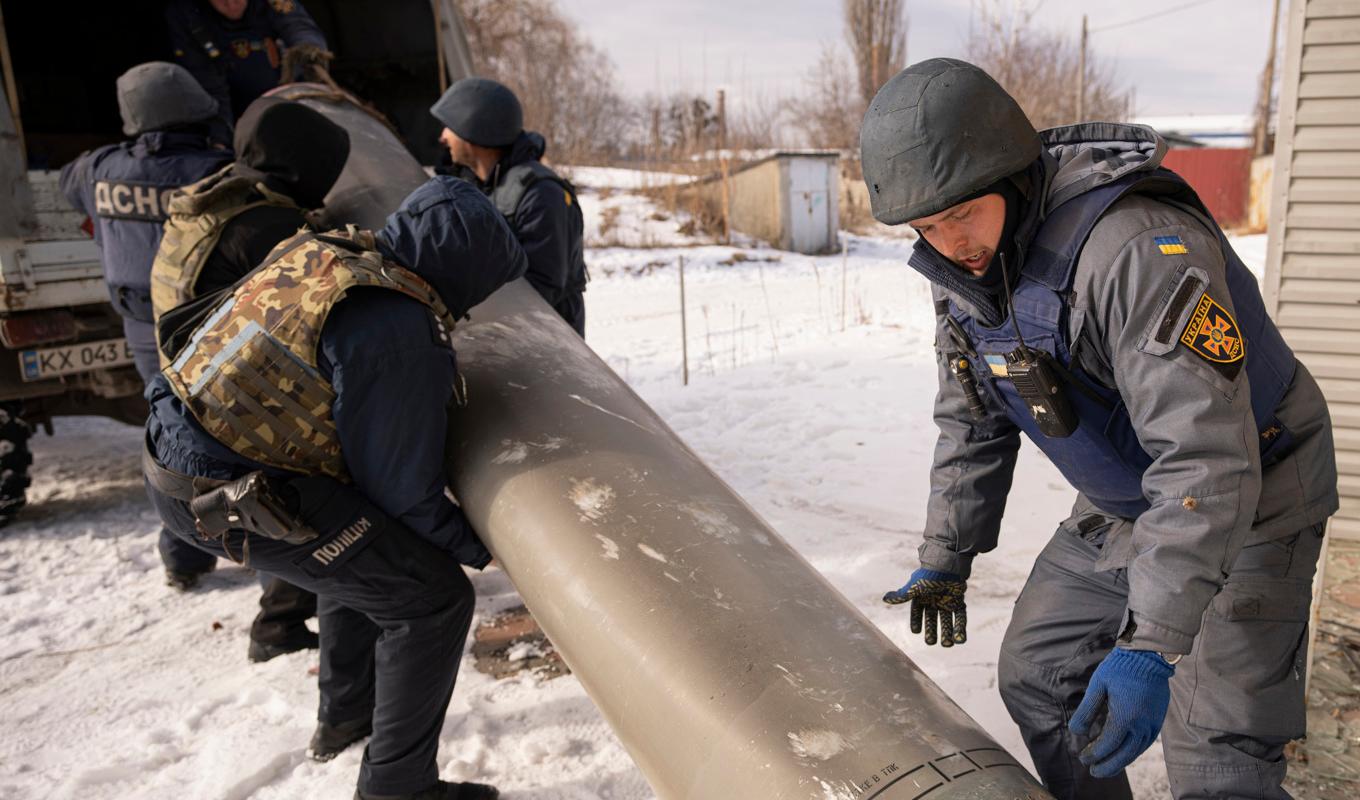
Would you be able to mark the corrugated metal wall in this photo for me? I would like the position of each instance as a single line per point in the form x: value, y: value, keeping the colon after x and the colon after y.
x: 1221, y: 177
x: 1313, y: 263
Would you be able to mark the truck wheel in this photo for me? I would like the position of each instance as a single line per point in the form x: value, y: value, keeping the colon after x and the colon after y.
x: 15, y: 460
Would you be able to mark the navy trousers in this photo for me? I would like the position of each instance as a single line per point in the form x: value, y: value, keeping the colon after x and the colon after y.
x: 394, y: 612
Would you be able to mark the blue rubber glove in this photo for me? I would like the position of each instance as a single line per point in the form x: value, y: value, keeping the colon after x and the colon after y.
x: 935, y: 596
x: 1133, y: 688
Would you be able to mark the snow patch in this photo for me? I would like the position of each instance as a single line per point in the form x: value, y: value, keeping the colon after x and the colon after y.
x: 817, y: 744
x: 715, y: 523
x: 592, y: 499
x: 514, y: 453
x: 611, y: 547
x: 522, y: 651
x: 651, y: 553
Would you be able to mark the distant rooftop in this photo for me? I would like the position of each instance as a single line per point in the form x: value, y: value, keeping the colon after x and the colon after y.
x: 1210, y: 130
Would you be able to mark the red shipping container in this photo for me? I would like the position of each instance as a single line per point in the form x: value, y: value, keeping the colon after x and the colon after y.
x: 1220, y: 175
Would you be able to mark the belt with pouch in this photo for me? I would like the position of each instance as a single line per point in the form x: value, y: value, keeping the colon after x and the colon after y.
x: 251, y: 503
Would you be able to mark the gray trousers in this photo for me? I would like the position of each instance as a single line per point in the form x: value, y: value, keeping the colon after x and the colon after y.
x: 1236, y: 699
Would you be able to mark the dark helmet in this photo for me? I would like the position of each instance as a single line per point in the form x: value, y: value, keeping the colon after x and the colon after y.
x: 159, y: 95
x: 481, y: 111
x: 937, y: 133
x: 292, y: 149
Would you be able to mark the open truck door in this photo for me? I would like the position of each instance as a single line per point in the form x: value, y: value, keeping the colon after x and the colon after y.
x: 62, y: 351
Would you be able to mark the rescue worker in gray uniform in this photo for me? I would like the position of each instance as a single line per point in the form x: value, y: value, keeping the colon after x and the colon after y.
x: 1087, y: 299
x: 484, y: 133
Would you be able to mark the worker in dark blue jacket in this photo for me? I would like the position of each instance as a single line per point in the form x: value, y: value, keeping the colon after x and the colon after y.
x: 484, y: 133
x: 125, y: 189
x: 236, y: 48
x: 333, y: 477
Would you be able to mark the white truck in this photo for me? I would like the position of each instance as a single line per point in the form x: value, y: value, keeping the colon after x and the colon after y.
x: 62, y: 350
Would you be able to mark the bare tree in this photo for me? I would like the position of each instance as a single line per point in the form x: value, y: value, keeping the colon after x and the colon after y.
x: 760, y: 121
x: 566, y: 85
x: 829, y: 112
x: 876, y: 31
x: 1039, y: 68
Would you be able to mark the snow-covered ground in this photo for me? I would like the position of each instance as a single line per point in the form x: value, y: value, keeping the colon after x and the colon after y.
x: 621, y: 178
x: 812, y: 400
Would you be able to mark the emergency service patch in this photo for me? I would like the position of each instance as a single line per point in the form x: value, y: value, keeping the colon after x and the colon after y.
x: 1170, y: 245
x: 1213, y: 335
x: 282, y: 6
x: 135, y: 200
x: 241, y: 48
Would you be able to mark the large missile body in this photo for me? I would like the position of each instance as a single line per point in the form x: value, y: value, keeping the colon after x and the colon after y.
x: 728, y: 667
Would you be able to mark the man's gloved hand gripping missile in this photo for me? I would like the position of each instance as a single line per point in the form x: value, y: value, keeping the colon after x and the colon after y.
x: 936, y: 597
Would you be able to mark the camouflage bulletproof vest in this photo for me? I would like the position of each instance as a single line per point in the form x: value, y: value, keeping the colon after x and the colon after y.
x: 196, y: 219
x: 249, y: 374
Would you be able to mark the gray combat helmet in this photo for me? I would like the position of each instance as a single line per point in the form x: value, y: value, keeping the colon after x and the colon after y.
x: 159, y: 95
x: 937, y: 133
x: 481, y: 111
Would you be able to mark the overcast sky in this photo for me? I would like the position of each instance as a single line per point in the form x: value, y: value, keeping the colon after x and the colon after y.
x: 1200, y: 57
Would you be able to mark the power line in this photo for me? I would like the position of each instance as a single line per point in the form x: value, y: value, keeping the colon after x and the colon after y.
x: 1162, y: 13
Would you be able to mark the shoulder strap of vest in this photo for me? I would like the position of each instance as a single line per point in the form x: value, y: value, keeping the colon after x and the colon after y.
x: 223, y: 191
x: 362, y: 245
x: 175, y: 327
x: 1052, y: 255
x: 517, y: 180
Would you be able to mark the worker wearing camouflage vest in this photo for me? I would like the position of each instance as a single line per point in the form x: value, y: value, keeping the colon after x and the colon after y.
x: 298, y: 427
x: 287, y: 157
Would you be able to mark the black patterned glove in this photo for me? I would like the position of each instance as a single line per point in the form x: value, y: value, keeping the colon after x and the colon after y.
x: 936, y: 598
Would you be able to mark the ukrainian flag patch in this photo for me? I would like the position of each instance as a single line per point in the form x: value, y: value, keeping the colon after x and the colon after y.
x: 1170, y: 245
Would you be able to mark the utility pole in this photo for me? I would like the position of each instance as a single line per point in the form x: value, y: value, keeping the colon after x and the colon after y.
x: 873, y: 72
x: 1261, y: 128
x: 684, y: 328
x: 722, y: 163
x: 1081, y: 73
x: 722, y: 119
x: 656, y: 133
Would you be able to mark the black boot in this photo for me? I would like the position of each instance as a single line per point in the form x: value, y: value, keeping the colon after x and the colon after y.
x: 442, y: 790
x: 184, y: 581
x: 330, y: 741
x: 301, y: 639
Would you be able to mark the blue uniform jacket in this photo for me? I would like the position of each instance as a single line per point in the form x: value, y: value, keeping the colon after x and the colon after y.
x: 124, y: 189
x: 236, y: 61
x: 394, y: 380
x: 549, y: 227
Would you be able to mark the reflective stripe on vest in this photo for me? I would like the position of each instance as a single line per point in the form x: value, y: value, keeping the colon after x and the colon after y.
x: 249, y: 373
x: 197, y: 217
x: 1103, y: 458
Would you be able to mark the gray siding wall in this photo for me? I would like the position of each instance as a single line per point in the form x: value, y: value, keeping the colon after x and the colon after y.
x: 1312, y: 283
